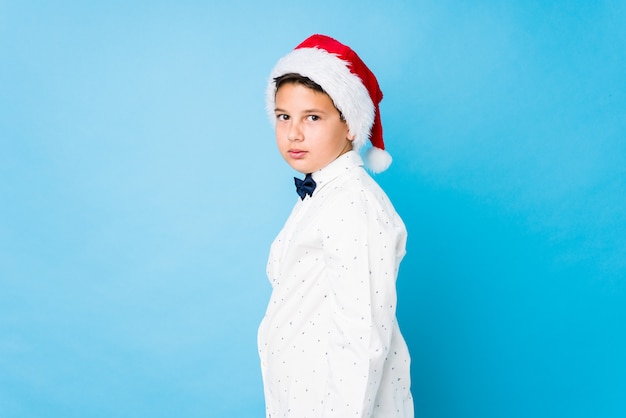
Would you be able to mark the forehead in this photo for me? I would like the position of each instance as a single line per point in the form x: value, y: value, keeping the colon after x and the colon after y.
x: 293, y: 94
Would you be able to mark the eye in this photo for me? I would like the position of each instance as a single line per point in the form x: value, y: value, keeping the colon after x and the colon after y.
x: 282, y: 117
x: 313, y: 118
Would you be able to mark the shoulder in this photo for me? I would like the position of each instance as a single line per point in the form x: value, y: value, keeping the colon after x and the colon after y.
x: 358, y: 194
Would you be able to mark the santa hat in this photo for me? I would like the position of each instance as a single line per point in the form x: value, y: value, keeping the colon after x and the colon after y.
x: 349, y: 83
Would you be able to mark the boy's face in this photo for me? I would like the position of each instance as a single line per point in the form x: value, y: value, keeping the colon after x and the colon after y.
x: 309, y: 131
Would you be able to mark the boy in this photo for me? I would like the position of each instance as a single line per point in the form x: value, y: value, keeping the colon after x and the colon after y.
x: 329, y: 342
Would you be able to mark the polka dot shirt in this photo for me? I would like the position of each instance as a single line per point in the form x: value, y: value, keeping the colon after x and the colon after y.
x: 329, y: 343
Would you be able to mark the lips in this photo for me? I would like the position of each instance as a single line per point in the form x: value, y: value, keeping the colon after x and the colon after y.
x: 296, y: 153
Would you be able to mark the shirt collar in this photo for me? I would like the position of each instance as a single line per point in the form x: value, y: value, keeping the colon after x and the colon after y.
x: 342, y: 164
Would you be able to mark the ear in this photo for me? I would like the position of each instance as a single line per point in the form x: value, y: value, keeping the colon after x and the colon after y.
x: 350, y: 136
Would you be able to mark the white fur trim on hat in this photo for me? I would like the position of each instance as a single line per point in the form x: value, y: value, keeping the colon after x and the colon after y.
x: 345, y: 89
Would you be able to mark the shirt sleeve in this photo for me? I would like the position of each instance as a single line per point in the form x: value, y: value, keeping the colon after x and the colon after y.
x: 363, y: 243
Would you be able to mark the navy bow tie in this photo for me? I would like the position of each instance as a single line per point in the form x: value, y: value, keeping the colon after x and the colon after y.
x: 305, y: 187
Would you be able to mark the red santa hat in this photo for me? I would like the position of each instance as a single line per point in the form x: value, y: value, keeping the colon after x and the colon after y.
x: 349, y: 83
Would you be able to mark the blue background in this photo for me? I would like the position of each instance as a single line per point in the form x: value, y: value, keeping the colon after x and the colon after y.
x: 140, y: 189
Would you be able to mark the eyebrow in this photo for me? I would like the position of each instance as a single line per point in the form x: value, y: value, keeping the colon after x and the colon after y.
x: 278, y: 109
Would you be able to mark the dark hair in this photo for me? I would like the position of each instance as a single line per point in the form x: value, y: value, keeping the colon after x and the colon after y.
x: 295, y: 78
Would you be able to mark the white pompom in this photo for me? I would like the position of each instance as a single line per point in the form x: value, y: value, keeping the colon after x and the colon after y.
x: 377, y: 160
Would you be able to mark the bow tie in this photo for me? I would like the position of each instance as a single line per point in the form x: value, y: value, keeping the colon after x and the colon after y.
x: 305, y: 187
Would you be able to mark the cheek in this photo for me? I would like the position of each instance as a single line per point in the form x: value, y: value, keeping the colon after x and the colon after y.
x: 279, y: 132
x: 281, y: 139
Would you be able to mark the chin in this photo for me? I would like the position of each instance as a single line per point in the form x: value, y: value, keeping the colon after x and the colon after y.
x: 298, y: 165
x: 301, y: 169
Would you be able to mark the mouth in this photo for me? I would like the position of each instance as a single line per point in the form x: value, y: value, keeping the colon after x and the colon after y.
x: 296, y: 153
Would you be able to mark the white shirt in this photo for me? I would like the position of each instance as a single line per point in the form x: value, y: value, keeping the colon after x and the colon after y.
x: 329, y: 343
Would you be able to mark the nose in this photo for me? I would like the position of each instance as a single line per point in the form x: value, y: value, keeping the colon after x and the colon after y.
x: 295, y: 131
